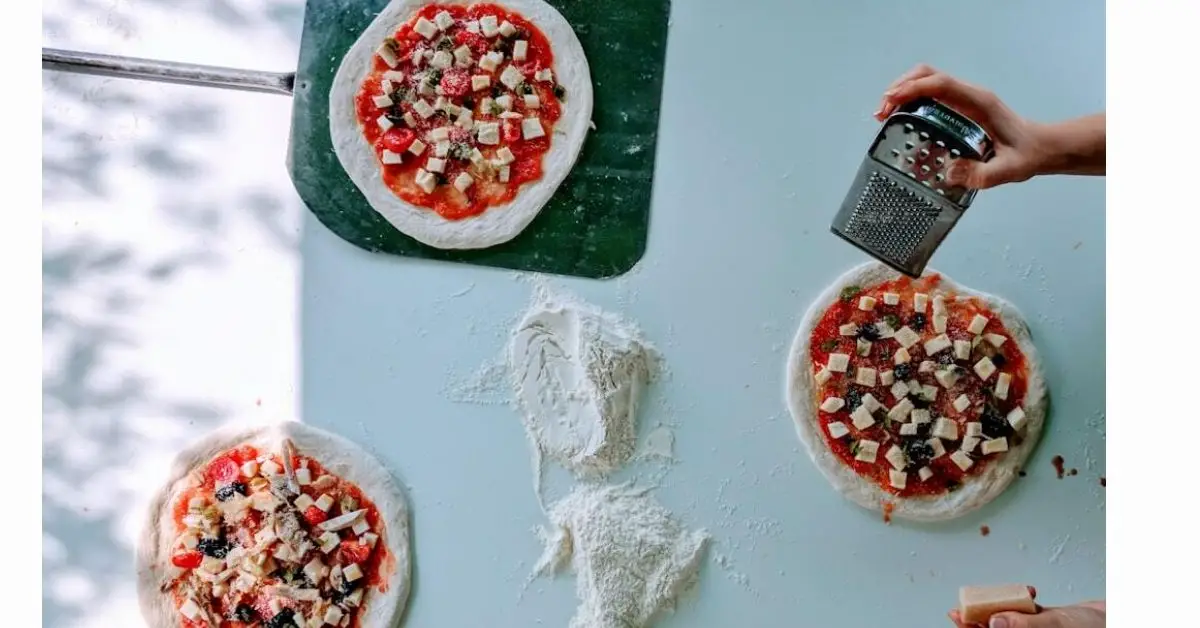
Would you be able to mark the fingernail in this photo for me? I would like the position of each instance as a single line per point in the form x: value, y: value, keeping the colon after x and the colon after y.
x: 998, y: 622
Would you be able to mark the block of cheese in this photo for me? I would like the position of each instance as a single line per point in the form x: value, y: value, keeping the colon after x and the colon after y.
x: 977, y: 603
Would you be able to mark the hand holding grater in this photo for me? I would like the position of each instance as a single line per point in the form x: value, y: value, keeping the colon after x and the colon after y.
x: 900, y: 207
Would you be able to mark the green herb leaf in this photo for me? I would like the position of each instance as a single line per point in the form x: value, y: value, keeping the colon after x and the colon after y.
x: 849, y: 292
x: 854, y: 448
x: 829, y: 345
x: 892, y: 320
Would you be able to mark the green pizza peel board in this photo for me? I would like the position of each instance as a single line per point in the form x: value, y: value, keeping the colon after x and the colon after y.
x: 595, y: 225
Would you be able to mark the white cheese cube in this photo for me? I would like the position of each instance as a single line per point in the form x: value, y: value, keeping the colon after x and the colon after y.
x: 902, y: 356
x: 975, y: 428
x: 962, y: 402
x: 303, y: 502
x: 899, y: 390
x: 914, y: 387
x: 417, y: 147
x: 838, y: 362
x: 270, y: 467
x: 871, y: 402
x: 920, y: 302
x: 369, y: 538
x: 324, y: 502
x: 926, y: 366
x: 388, y: 54
x: 832, y: 404
x: 473, y: 26
x: 490, y: 61
x: 929, y: 392
x: 939, y: 449
x: 907, y: 337
x: 885, y: 330
x: 946, y: 377
x: 250, y: 468
x: 488, y: 133
x: 822, y: 375
x: 328, y: 542
x: 352, y: 572
x: 864, y: 376
x: 939, y: 323
x: 937, y: 344
x: 1017, y: 418
x: 503, y: 176
x: 425, y: 28
x: 1003, y: 381
x: 435, y: 165
x: 489, y: 26
x: 544, y: 75
x: 984, y: 368
x: 520, y: 50
x: 895, y: 457
x: 441, y: 60
x: 939, y: 304
x: 417, y: 58
x: 481, y: 81
x: 924, y: 473
x: 945, y: 429
x: 899, y: 479
x: 505, y: 101
x: 977, y: 324
x: 866, y: 303
x: 837, y: 429
x: 868, y: 450
x: 887, y: 378
x: 962, y: 349
x: 505, y: 156
x: 463, y: 181
x: 969, y: 443
x: 361, y: 527
x: 512, y: 77
x: 962, y: 460
x: 382, y: 101
x: 462, y: 57
x: 443, y: 20
x: 995, y: 446
x: 386, y: 87
x: 390, y: 158
x: 303, y: 476
x: 862, y: 418
x: 891, y: 298
x: 920, y: 415
x: 333, y: 615
x: 440, y: 134
x: 384, y: 123
x: 532, y: 101
x: 410, y: 119
x: 315, y: 570
x: 995, y: 339
x: 190, y: 609
x: 423, y: 109
x: 863, y: 347
x: 441, y: 149
x: 899, y: 412
x: 466, y: 119
x: 507, y: 29
x: 849, y: 329
x: 908, y: 429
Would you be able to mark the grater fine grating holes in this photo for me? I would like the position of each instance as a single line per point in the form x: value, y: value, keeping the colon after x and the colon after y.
x: 890, y: 219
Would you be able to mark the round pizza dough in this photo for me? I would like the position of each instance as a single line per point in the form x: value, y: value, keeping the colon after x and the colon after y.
x: 978, y: 489
x: 337, y: 455
x: 499, y: 223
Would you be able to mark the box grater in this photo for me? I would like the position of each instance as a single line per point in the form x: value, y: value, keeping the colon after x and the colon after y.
x: 900, y: 208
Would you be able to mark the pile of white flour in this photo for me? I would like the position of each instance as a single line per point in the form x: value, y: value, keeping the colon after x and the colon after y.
x: 578, y: 373
x: 630, y: 556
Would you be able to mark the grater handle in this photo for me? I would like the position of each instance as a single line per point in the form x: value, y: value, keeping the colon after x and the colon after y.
x: 168, y: 71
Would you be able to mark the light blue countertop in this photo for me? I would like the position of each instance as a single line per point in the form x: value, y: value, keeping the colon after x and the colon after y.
x: 745, y: 188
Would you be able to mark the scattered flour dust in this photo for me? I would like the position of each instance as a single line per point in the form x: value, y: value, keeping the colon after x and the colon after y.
x: 632, y: 559
x: 578, y: 373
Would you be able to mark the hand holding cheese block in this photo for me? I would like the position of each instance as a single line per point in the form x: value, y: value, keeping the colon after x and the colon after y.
x: 1013, y: 606
x: 976, y: 604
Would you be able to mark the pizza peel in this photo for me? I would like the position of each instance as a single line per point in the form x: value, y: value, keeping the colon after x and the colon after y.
x: 596, y: 224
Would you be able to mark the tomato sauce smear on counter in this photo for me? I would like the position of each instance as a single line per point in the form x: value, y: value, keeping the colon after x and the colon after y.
x: 402, y: 117
x: 985, y: 406
x: 223, y: 478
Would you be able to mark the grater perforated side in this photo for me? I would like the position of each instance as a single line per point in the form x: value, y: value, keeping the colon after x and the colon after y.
x: 891, y: 219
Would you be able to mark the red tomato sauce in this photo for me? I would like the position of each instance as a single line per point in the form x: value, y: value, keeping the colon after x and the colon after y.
x: 826, y: 339
x: 445, y: 199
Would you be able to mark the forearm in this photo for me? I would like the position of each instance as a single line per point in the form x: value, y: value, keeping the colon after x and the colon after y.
x: 1074, y: 146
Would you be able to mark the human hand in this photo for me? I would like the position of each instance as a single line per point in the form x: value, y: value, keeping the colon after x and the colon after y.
x: 1083, y: 615
x: 1021, y: 149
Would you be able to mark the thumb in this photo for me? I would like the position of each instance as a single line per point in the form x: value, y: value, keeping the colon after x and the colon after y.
x: 1081, y: 616
x: 1045, y: 619
x: 981, y: 175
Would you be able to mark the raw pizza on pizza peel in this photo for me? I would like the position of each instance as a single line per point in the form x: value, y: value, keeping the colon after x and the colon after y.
x: 921, y: 398
x: 243, y: 534
x: 459, y: 119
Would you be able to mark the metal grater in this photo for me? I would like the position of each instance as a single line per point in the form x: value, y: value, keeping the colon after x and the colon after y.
x: 899, y: 208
